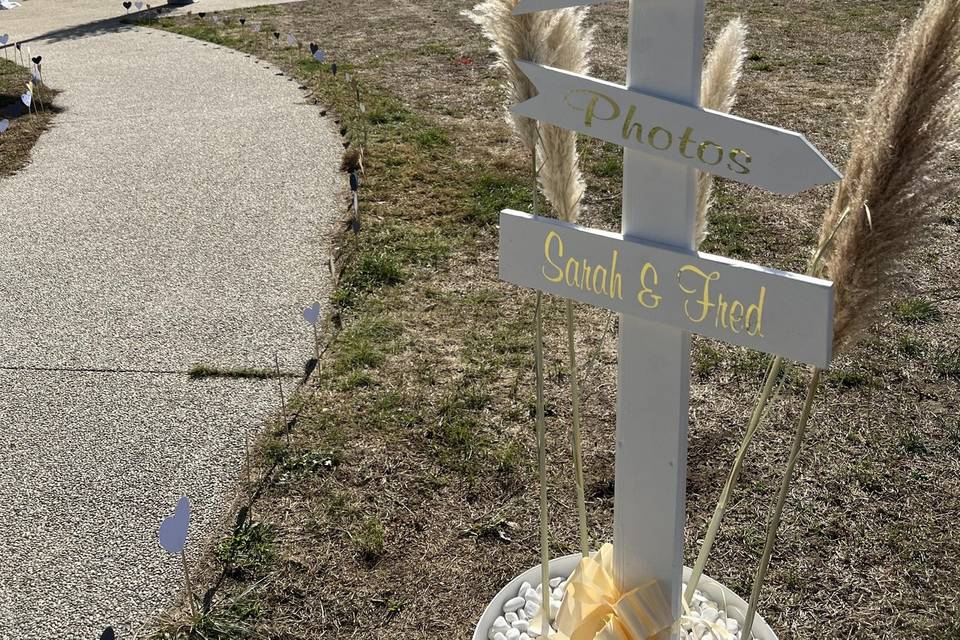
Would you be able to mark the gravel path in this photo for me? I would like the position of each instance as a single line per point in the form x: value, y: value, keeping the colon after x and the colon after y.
x: 175, y: 214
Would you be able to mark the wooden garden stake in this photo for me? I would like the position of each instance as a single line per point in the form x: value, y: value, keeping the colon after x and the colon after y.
x: 651, y: 274
x: 188, y: 583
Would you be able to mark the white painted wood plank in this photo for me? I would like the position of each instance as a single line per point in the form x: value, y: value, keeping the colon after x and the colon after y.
x: 768, y: 310
x: 722, y: 144
x: 653, y: 379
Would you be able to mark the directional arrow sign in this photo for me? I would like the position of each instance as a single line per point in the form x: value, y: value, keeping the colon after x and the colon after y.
x: 529, y: 6
x: 732, y: 301
x: 757, y: 154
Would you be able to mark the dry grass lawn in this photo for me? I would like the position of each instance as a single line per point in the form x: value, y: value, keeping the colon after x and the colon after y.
x: 26, y: 128
x: 407, y: 497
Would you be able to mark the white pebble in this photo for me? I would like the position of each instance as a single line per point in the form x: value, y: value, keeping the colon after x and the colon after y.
x: 513, y: 604
x: 511, y: 617
x: 523, y: 588
x: 532, y: 596
x: 500, y: 625
x: 522, y: 614
x: 524, y: 636
x: 521, y: 625
x: 732, y: 625
x: 710, y: 614
x: 531, y: 608
x: 513, y: 634
x: 557, y: 594
x: 556, y: 582
x: 554, y: 608
x: 499, y: 636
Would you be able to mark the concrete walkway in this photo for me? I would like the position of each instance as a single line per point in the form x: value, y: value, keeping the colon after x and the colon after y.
x: 175, y: 214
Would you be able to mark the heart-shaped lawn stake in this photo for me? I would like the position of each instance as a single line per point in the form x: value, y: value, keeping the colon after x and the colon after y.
x: 27, y: 98
x: 138, y: 5
x: 173, y: 531
x: 108, y: 634
x: 291, y: 40
x: 37, y: 59
x: 4, y: 38
x: 4, y: 125
x: 276, y: 35
x: 333, y: 68
x: 202, y: 14
x: 36, y: 75
x: 17, y: 46
x: 243, y: 21
x: 127, y: 4
x: 255, y: 27
x: 313, y: 48
x: 312, y: 313
x: 319, y: 55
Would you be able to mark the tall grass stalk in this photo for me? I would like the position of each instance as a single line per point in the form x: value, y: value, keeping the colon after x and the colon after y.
x: 542, y: 466
x: 558, y: 39
x: 718, y: 91
x: 891, y: 192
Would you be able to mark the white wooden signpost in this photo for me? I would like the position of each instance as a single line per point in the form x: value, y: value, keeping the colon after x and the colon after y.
x: 663, y: 289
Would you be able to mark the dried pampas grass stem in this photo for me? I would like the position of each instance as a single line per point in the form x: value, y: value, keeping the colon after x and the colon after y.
x: 892, y: 190
x: 718, y: 91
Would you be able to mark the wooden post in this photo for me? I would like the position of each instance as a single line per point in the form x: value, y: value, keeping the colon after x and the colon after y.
x: 659, y: 202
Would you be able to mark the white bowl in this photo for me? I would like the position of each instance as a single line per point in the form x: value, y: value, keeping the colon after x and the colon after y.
x: 563, y: 567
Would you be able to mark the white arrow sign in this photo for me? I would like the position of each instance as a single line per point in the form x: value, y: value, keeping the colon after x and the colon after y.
x: 742, y: 150
x: 529, y: 6
x: 765, y: 309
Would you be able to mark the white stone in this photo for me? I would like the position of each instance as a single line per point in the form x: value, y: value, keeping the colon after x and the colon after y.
x: 710, y: 614
x: 532, y: 596
x: 500, y: 625
x: 531, y: 608
x: 554, y: 608
x: 499, y: 636
x: 556, y: 582
x: 521, y: 625
x: 522, y: 614
x: 557, y: 594
x: 524, y: 636
x: 523, y: 588
x: 513, y: 604
x: 513, y: 634
x: 511, y: 617
x: 732, y: 625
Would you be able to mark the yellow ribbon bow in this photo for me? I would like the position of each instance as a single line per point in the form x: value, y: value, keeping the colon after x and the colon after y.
x: 594, y: 609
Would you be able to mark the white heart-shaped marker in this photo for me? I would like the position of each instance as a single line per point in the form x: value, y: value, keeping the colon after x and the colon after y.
x: 5, y: 38
x: 312, y: 313
x: 173, y: 531
x: 319, y: 55
x: 27, y: 99
x: 291, y: 40
x: 4, y: 125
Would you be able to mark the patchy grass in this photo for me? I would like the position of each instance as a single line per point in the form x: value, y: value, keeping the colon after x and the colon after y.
x: 416, y: 439
x: 917, y: 311
x: 25, y: 127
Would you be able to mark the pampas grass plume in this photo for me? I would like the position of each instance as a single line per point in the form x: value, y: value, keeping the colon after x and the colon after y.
x: 718, y: 91
x: 894, y: 183
x: 556, y: 39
